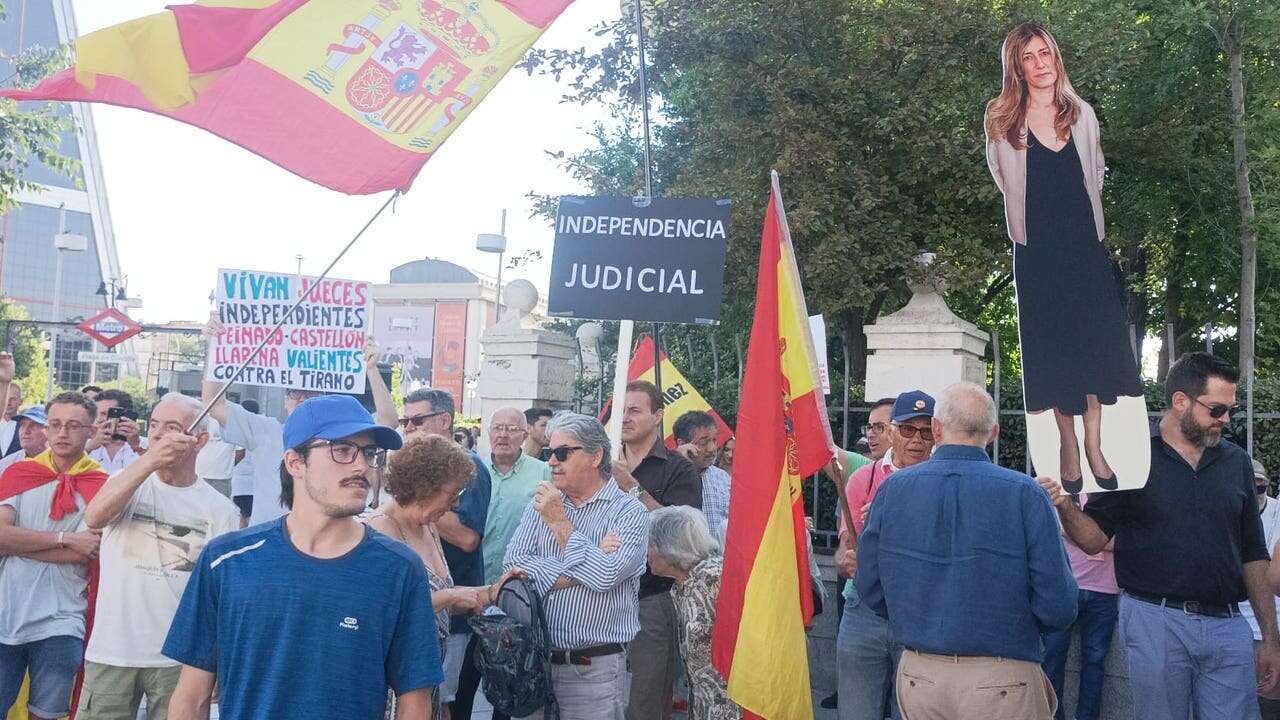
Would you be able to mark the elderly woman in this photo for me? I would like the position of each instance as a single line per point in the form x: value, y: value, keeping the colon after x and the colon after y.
x: 425, y: 479
x: 681, y: 548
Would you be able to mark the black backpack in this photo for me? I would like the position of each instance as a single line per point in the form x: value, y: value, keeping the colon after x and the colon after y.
x: 513, y: 653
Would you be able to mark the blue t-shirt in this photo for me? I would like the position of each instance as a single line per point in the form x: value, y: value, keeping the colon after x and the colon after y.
x: 295, y: 637
x: 467, y: 568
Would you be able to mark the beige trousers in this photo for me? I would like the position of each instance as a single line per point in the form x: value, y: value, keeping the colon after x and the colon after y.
x: 945, y: 687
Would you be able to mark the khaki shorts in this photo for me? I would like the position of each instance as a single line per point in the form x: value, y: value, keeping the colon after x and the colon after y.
x: 114, y: 693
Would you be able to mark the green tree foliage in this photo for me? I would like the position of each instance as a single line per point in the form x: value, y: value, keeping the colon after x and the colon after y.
x: 29, y: 353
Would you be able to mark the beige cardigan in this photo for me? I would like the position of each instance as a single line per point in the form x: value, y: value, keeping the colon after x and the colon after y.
x: 1009, y: 168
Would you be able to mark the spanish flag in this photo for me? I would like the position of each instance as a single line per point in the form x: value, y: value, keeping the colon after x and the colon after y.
x: 679, y: 396
x: 355, y: 95
x: 758, y: 642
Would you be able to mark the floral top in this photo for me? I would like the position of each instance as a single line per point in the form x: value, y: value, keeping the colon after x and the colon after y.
x: 695, y: 600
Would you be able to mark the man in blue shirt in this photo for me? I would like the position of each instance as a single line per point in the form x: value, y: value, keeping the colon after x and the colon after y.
x: 965, y: 560
x: 431, y: 411
x: 311, y: 615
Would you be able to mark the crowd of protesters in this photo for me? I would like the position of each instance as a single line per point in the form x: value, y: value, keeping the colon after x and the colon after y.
x: 329, y: 568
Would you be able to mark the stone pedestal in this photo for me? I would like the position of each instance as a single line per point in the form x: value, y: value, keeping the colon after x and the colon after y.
x: 923, y: 346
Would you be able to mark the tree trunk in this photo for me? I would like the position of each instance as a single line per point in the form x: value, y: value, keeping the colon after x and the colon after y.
x: 1172, y: 304
x: 1137, y: 305
x: 856, y: 346
x: 1248, y: 231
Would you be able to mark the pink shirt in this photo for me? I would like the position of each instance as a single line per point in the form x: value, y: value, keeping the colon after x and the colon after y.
x: 1093, y: 572
x: 862, y: 488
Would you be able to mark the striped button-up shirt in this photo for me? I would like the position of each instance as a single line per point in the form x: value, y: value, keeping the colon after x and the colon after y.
x: 602, y: 605
x: 715, y: 499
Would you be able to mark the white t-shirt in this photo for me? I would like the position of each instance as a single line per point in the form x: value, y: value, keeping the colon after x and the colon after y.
x: 8, y: 428
x: 242, y: 477
x: 112, y: 465
x: 8, y: 460
x: 1271, y: 528
x: 147, y: 555
x: 217, y: 459
x: 263, y: 442
x: 41, y: 600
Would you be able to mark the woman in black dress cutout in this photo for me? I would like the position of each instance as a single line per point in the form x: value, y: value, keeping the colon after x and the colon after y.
x: 1045, y: 155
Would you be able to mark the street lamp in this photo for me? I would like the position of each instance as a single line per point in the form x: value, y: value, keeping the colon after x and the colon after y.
x: 63, y: 242
x: 588, y: 335
x: 490, y: 243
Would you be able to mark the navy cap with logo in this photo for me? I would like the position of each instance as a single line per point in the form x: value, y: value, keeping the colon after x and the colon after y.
x: 335, y: 417
x: 912, y: 404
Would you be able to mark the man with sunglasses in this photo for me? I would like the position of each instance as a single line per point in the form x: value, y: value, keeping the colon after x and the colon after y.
x: 866, y: 652
x: 1189, y: 547
x: 431, y: 411
x: 313, y: 615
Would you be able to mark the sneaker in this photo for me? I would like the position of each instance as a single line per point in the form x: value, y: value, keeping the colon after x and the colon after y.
x: 831, y: 701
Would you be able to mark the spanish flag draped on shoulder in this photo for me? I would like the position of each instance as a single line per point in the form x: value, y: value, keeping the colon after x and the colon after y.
x: 758, y: 642
x: 355, y: 95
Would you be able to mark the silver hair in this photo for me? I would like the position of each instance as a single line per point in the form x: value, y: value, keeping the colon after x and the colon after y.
x: 194, y: 406
x: 587, y: 432
x: 966, y: 410
x: 679, y: 534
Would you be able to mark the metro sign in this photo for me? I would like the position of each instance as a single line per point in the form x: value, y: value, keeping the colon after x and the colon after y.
x: 110, y: 327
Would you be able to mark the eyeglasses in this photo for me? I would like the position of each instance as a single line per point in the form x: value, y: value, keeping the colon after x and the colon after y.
x: 508, y: 429
x: 418, y: 420
x: 71, y: 427
x: 909, y: 431
x: 1217, y: 410
x: 563, y: 452
x: 344, y: 453
x: 877, y: 428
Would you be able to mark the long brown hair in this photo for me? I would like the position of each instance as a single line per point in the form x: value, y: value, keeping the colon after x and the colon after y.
x: 1007, y: 114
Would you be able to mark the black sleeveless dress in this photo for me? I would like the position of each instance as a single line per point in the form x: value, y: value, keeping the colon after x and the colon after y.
x: 1074, y: 335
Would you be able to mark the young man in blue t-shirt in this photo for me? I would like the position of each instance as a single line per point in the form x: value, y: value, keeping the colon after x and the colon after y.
x: 312, y: 615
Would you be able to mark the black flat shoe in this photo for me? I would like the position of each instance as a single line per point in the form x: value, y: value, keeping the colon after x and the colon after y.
x: 1073, y: 487
x: 1108, y: 483
x: 830, y: 702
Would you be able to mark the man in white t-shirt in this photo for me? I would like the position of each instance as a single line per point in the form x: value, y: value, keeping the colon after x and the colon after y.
x: 115, y: 442
x: 156, y: 516
x: 217, y: 460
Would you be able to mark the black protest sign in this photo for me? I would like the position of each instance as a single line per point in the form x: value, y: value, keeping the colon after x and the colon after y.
x: 653, y: 260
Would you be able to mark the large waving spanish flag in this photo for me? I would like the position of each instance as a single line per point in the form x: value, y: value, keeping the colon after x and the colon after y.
x: 355, y: 95
x: 758, y: 642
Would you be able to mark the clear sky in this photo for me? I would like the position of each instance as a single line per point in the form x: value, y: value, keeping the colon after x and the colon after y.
x: 184, y: 203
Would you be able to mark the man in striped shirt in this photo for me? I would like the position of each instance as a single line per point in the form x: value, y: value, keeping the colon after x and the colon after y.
x: 583, y: 543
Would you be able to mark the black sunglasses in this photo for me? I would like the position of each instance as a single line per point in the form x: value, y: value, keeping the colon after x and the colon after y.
x: 417, y: 420
x: 1217, y: 410
x: 562, y: 453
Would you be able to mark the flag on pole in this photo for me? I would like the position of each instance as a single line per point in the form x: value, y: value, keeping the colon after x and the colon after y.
x: 678, y: 394
x: 355, y: 95
x: 758, y: 642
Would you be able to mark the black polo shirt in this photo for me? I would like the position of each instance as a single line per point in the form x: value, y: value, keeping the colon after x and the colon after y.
x: 671, y: 480
x: 1187, y: 534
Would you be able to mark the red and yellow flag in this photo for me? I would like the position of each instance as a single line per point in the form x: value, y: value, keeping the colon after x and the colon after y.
x: 355, y: 95
x: 758, y: 642
x: 679, y: 396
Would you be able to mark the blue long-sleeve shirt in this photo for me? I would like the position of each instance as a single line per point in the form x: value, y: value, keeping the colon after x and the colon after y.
x: 965, y: 558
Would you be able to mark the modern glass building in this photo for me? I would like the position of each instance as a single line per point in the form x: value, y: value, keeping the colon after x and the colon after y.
x: 75, y: 204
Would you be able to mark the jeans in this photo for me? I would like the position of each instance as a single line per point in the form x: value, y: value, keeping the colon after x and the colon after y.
x: 866, y: 661
x: 52, y: 664
x: 1096, y: 619
x: 1179, y: 662
x: 598, y: 691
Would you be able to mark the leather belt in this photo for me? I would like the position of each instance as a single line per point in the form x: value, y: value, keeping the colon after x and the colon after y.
x: 1190, y: 607
x: 583, y: 656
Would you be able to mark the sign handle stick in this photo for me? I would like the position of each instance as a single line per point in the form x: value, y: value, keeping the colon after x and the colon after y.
x: 657, y: 380
x: 284, y: 317
x: 621, y: 366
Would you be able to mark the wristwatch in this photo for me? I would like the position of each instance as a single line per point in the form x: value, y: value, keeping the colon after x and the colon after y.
x: 636, y: 491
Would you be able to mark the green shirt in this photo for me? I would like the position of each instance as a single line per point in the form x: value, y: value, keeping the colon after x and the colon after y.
x: 855, y: 461
x: 509, y: 496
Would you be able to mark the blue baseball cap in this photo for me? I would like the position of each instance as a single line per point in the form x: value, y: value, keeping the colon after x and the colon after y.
x: 912, y: 404
x: 334, y: 417
x: 35, y: 414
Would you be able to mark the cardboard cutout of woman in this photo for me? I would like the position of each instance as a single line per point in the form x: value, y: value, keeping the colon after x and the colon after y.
x: 1044, y: 151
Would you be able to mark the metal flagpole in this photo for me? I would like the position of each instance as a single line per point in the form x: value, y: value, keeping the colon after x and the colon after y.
x: 627, y: 327
x: 284, y: 317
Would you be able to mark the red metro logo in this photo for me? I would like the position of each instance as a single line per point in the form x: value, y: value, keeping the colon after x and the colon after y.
x: 110, y: 327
